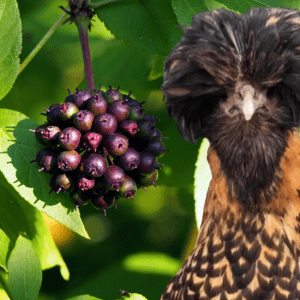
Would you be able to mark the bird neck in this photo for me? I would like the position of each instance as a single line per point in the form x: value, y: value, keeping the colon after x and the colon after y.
x: 279, y: 217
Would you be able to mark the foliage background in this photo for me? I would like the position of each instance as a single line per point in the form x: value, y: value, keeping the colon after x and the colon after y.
x: 142, y: 244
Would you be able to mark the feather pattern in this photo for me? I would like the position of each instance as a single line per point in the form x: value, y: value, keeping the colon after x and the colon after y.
x: 248, y: 245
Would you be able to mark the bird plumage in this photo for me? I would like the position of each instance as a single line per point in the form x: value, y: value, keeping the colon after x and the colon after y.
x: 235, y: 79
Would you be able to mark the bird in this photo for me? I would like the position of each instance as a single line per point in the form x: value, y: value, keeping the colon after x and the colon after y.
x: 234, y: 79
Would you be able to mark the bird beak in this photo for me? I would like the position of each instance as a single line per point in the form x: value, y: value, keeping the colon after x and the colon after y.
x: 248, y: 106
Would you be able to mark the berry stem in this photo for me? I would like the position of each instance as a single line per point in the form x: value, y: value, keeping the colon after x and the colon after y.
x: 82, y: 24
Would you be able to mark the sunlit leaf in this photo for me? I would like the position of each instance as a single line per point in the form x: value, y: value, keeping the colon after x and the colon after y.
x: 18, y: 147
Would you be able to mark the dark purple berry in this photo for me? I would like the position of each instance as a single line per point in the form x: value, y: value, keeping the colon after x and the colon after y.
x: 91, y: 141
x: 130, y: 101
x: 79, y: 98
x: 149, y: 179
x: 129, y: 128
x: 112, y: 95
x: 67, y: 111
x: 69, y: 138
x: 64, y: 182
x: 100, y: 186
x: 119, y: 109
x: 146, y: 130
x: 83, y: 120
x: 48, y: 151
x: 50, y: 135
x: 68, y: 160
x: 150, y: 119
x: 129, y: 160
x: 52, y: 114
x: 147, y: 164
x: 95, y: 165
x: 116, y: 144
x: 128, y: 189
x: 97, y: 105
x: 114, y: 177
x: 38, y: 133
x: 85, y: 182
x: 136, y: 113
x: 157, y: 134
x: 156, y: 147
x: 48, y: 163
x: 80, y: 197
x: 105, y: 124
x: 104, y: 201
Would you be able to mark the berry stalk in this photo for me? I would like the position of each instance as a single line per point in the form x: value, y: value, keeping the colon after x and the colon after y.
x: 82, y: 24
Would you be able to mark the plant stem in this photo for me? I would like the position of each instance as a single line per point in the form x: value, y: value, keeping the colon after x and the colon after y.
x: 82, y: 24
x: 42, y: 42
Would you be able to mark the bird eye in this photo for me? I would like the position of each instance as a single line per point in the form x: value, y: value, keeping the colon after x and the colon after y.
x: 233, y: 109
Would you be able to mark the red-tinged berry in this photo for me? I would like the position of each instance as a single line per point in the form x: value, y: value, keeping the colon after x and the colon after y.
x: 79, y: 98
x: 156, y: 147
x: 128, y: 189
x: 69, y: 138
x: 85, y: 182
x: 112, y: 95
x: 119, y: 109
x: 68, y: 160
x: 129, y: 160
x: 136, y: 113
x: 147, y: 164
x: 116, y: 144
x: 83, y: 120
x: 105, y: 124
x: 95, y: 165
x: 91, y: 141
x: 129, y: 128
x: 38, y: 133
x: 80, y: 198
x: 97, y: 105
x: 149, y: 179
x: 104, y: 201
x: 146, y: 130
x: 50, y: 135
x: 64, y: 182
x: 67, y: 111
x: 114, y: 177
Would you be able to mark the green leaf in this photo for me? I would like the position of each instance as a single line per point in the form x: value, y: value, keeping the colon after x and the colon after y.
x: 280, y: 3
x: 130, y: 72
x: 83, y: 297
x: 18, y: 216
x: 241, y: 6
x: 202, y: 180
x: 4, y: 249
x: 18, y: 147
x: 148, y: 25
x: 186, y: 9
x: 133, y: 296
x: 25, y: 273
x: 10, y: 44
x: 133, y: 273
x: 157, y: 69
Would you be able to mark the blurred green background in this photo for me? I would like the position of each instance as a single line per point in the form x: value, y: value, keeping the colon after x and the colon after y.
x: 142, y: 244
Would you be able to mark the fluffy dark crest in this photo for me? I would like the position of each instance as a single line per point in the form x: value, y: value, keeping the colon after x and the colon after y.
x: 222, y: 48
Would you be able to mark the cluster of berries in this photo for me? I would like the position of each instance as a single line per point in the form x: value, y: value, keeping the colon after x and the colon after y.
x: 100, y: 147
